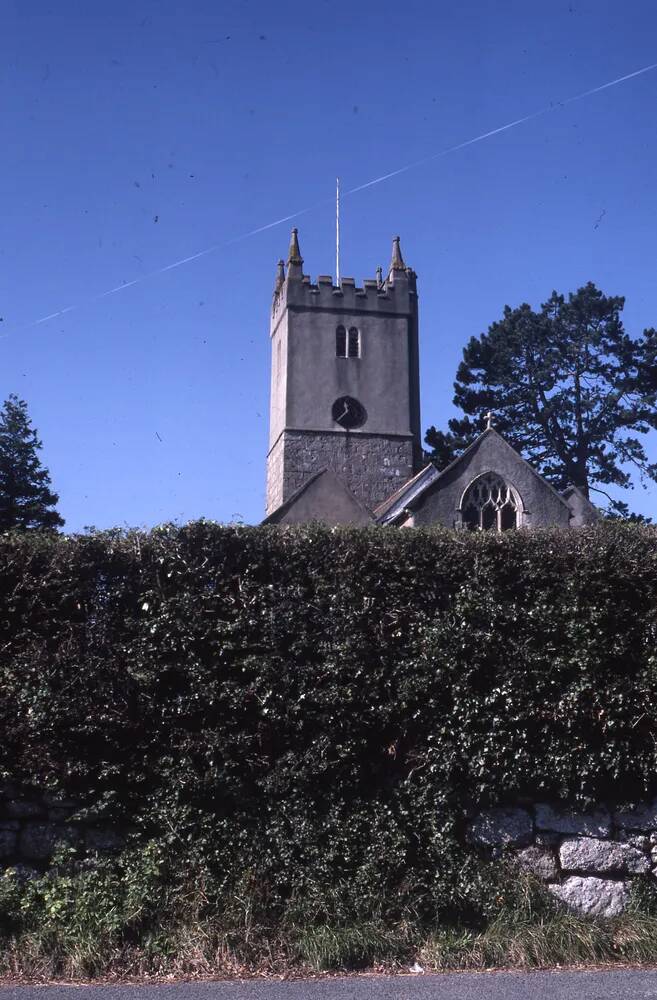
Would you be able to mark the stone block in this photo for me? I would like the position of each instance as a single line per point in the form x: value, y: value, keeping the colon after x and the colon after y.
x: 502, y: 827
x: 563, y: 820
x: 644, y: 817
x: 540, y: 861
x: 592, y: 897
x: 38, y: 841
x: 588, y: 854
x: 638, y: 840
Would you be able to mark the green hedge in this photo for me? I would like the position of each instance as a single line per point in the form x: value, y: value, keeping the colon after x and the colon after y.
x: 315, y: 711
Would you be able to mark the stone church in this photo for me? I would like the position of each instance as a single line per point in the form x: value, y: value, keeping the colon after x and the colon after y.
x: 344, y: 430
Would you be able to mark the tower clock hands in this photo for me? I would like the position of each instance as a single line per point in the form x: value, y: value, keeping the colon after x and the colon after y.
x: 348, y: 412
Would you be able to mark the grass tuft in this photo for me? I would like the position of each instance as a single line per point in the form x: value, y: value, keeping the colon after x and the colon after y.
x: 92, y: 925
x: 358, y: 946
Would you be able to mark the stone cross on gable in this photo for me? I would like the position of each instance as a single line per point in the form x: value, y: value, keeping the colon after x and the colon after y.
x: 489, y: 420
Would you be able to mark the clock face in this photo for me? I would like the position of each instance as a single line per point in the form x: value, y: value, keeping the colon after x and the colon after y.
x: 348, y: 412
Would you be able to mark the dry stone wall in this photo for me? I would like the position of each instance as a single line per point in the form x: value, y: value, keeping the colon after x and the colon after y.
x: 33, y: 824
x: 587, y: 860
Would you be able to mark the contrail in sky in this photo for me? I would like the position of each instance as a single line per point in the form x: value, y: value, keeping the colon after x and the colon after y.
x: 360, y: 187
x: 170, y: 267
x: 502, y: 128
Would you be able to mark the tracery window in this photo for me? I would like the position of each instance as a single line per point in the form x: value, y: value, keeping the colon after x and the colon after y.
x: 490, y: 504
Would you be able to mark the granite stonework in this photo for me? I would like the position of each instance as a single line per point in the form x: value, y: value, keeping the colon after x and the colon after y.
x: 501, y: 828
x: 593, y: 897
x: 34, y: 824
x: 588, y: 854
x: 540, y: 861
x: 587, y: 859
x: 372, y: 466
x: 593, y: 824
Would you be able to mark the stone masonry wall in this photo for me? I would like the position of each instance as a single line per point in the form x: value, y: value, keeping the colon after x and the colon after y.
x: 588, y: 860
x: 275, y: 477
x: 33, y: 824
x: 372, y: 466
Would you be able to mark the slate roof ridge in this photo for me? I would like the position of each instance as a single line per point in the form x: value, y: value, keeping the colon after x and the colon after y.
x: 287, y: 504
x: 383, y: 507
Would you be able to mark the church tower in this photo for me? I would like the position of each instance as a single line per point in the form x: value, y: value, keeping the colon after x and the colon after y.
x: 344, y: 381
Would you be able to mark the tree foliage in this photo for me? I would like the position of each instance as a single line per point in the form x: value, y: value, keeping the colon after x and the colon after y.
x: 570, y: 389
x: 316, y: 711
x: 26, y: 499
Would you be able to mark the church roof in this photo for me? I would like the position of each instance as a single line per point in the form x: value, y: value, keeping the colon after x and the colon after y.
x: 323, y: 497
x: 391, y: 509
x: 402, y: 497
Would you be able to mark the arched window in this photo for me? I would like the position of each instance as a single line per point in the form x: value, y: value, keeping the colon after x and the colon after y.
x: 340, y: 342
x: 354, y: 342
x: 490, y: 504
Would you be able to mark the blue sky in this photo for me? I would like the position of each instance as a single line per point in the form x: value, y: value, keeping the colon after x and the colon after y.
x: 136, y: 134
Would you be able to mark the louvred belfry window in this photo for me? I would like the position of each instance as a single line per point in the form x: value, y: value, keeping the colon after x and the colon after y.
x: 490, y: 504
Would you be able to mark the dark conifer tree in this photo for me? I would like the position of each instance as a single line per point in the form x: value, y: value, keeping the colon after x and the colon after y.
x: 570, y: 390
x: 26, y: 500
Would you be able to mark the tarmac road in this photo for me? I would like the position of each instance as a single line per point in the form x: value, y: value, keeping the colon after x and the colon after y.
x: 613, y: 985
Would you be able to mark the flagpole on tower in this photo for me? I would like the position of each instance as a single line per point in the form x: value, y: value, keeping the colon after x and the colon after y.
x: 337, y: 230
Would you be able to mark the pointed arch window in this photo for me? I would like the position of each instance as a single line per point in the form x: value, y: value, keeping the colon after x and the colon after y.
x: 490, y: 504
x: 353, y: 345
x: 340, y: 342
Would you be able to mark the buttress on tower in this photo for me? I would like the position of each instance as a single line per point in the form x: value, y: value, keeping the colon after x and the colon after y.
x: 344, y: 381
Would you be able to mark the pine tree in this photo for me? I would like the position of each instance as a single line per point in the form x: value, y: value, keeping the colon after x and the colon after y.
x: 570, y: 388
x: 26, y: 500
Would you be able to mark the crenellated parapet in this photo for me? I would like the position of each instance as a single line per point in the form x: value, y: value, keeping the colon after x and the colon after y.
x: 396, y: 294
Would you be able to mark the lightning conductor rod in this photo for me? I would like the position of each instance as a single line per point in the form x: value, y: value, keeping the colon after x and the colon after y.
x: 337, y: 230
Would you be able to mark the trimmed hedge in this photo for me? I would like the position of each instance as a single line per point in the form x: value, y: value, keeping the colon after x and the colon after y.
x: 310, y: 714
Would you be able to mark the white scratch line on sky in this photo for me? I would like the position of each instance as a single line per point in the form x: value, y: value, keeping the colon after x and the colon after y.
x: 119, y: 288
x: 60, y: 312
x: 556, y: 105
x: 503, y: 128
